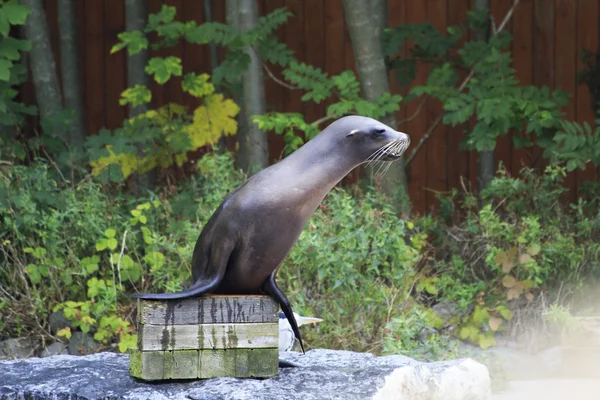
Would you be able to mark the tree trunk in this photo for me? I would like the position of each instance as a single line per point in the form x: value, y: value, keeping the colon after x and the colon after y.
x: 136, y: 14
x: 365, y: 19
x: 43, y: 68
x: 70, y: 71
x: 486, y: 163
x: 253, y: 146
x: 237, y: 89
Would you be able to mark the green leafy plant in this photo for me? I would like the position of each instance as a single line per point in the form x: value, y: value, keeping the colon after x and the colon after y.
x: 12, y: 74
x: 490, y: 96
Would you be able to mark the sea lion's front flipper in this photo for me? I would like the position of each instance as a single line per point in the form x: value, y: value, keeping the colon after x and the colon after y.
x: 270, y: 288
x: 212, y: 265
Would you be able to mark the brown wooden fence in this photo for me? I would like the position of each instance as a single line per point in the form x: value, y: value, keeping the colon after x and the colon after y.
x: 548, y: 36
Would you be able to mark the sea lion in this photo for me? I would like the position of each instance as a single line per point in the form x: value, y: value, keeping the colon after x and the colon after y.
x: 244, y: 242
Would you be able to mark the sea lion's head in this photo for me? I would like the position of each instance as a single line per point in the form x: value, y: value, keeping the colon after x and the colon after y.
x: 368, y: 139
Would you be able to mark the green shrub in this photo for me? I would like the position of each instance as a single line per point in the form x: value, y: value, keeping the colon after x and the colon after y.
x: 522, y: 245
x: 352, y: 266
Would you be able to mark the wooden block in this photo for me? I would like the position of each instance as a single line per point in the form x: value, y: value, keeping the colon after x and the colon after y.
x: 239, y: 363
x: 147, y: 365
x: 193, y: 364
x: 181, y: 364
x: 214, y: 309
x: 214, y: 336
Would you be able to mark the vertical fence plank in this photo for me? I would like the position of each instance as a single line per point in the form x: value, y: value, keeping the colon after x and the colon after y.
x: 275, y: 92
x: 503, y: 152
x: 95, y: 82
x: 114, y: 64
x: 51, y: 10
x: 396, y: 16
x: 314, y: 39
x: 294, y: 36
x: 174, y: 93
x: 416, y: 12
x: 543, y: 54
x: 565, y: 59
x: 436, y: 152
x: 587, y: 38
x: 457, y: 163
x: 196, y: 58
x: 522, y: 48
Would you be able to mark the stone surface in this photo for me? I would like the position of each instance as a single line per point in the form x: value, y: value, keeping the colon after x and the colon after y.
x: 54, y: 349
x: 465, y: 380
x: 17, y: 348
x: 57, y: 321
x: 324, y: 374
x: 82, y: 343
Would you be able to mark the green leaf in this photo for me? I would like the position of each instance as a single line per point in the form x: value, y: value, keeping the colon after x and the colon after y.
x: 39, y: 252
x: 5, y: 66
x: 15, y: 13
x: 128, y: 342
x: 137, y: 96
x: 101, y: 245
x: 110, y: 233
x: 155, y: 259
x: 34, y: 273
x: 127, y: 262
x: 135, y: 41
x: 10, y: 48
x: 163, y: 68
x: 487, y: 341
x: 111, y: 243
x: 197, y: 85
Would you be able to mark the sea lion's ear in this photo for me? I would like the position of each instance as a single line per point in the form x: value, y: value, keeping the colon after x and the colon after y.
x: 352, y: 132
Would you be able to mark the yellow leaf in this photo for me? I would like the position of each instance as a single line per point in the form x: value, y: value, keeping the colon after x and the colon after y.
x: 513, y: 293
x: 508, y: 281
x: 529, y: 296
x: 66, y: 332
x: 495, y: 323
x: 524, y: 258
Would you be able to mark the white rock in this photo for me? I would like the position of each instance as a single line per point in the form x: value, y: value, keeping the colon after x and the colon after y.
x: 451, y: 380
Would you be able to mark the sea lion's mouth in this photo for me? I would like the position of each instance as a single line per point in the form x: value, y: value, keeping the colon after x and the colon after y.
x: 394, y: 152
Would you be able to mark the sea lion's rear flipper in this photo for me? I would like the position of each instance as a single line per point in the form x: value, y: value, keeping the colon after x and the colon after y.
x: 212, y: 265
x: 270, y: 288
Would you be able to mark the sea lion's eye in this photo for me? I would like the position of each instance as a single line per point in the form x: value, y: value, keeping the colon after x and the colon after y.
x: 378, y: 131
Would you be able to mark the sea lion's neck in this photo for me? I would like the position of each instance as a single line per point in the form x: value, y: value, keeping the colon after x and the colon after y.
x: 319, y: 166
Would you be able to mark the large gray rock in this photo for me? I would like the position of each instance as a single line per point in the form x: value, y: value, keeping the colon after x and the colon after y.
x: 17, y: 348
x: 324, y: 374
x: 82, y: 344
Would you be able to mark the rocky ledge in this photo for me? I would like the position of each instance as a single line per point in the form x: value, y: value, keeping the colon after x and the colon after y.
x: 323, y: 374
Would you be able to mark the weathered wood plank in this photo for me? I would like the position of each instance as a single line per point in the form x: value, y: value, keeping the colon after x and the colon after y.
x: 241, y: 363
x: 147, y: 365
x: 208, y: 310
x: 213, y: 336
x: 203, y: 364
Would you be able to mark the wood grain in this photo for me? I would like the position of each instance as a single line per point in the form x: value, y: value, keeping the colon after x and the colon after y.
x: 213, y: 336
x: 203, y: 364
x: 208, y: 310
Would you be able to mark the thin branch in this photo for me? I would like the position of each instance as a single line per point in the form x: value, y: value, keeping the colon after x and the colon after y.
x: 324, y: 119
x: 416, y: 113
x: 277, y: 80
x: 429, y: 132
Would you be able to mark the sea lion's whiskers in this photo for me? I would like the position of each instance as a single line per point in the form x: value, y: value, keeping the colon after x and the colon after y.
x: 399, y: 149
x: 377, y: 154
